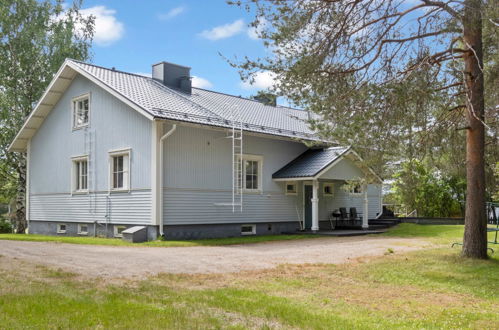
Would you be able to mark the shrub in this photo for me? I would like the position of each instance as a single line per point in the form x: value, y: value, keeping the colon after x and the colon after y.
x: 5, y: 226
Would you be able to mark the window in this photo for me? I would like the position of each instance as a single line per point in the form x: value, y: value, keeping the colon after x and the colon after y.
x: 120, y: 173
x: 328, y: 189
x: 61, y: 228
x: 118, y: 231
x: 81, y: 111
x: 82, y: 229
x: 251, y: 173
x: 291, y: 188
x: 356, y: 189
x: 248, y: 229
x: 80, y: 174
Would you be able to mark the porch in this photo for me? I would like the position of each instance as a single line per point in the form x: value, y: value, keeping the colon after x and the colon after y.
x: 333, y: 185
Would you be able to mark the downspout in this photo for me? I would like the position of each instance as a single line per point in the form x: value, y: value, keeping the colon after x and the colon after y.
x: 160, y: 202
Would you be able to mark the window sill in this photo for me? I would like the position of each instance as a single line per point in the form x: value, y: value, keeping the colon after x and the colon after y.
x: 61, y: 232
x: 77, y: 128
x: 124, y: 190
x: 291, y: 194
x: 328, y: 195
x: 255, y: 192
x: 80, y: 192
x: 83, y: 234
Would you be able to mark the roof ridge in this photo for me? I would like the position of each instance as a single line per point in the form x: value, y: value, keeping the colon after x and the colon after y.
x: 249, y: 99
x: 110, y: 69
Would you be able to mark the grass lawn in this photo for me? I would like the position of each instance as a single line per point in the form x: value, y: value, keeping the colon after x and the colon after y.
x: 432, y: 289
x: 157, y: 243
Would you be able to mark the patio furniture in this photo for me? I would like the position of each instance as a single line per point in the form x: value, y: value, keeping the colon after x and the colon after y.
x: 333, y: 218
x: 354, y: 215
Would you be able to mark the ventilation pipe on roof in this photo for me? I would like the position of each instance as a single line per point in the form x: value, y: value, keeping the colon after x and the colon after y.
x: 173, y: 75
x: 161, y: 169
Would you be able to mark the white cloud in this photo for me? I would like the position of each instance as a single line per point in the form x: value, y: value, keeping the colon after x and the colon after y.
x: 172, y: 13
x: 254, y: 31
x: 224, y: 31
x: 261, y: 80
x: 107, y: 28
x: 201, y: 82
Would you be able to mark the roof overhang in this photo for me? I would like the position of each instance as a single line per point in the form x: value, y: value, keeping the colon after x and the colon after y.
x: 59, y: 84
x: 349, y: 154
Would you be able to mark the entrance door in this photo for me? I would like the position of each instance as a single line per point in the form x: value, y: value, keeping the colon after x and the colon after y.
x: 308, y: 206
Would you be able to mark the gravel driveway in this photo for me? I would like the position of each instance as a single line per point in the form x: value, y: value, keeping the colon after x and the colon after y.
x: 139, y: 262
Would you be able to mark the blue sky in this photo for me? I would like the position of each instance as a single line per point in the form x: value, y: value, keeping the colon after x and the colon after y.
x: 132, y: 35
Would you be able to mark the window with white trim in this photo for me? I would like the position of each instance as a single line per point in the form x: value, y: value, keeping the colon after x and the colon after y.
x: 328, y: 189
x: 291, y: 188
x: 80, y: 174
x: 120, y: 170
x: 251, y: 173
x: 248, y: 230
x: 61, y: 228
x: 82, y: 229
x: 118, y: 231
x: 356, y: 189
x: 81, y: 111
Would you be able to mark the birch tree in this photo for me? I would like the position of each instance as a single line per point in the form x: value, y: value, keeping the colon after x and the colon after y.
x: 35, y: 38
x: 385, y: 73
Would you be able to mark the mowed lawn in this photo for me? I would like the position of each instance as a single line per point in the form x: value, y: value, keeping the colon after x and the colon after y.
x: 433, y: 288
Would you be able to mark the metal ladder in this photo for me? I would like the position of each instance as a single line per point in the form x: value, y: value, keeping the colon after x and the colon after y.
x: 237, y: 161
x: 89, y: 140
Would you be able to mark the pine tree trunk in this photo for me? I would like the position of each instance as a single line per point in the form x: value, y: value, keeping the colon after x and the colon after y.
x: 20, y: 217
x: 475, y: 230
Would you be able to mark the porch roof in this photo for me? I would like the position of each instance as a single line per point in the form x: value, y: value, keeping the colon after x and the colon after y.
x: 310, y: 163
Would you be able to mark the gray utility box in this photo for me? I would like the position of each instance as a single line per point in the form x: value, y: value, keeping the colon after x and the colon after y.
x: 135, y: 234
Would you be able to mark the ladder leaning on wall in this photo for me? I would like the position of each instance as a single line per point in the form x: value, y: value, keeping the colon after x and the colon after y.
x: 89, y: 147
x: 237, y: 159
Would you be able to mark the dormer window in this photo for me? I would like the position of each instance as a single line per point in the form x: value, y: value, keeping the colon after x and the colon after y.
x: 81, y: 111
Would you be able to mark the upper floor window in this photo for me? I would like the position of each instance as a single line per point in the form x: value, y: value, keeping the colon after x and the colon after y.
x: 328, y: 189
x: 80, y: 174
x: 356, y: 189
x: 81, y: 111
x: 291, y: 188
x: 120, y: 170
x: 252, y: 173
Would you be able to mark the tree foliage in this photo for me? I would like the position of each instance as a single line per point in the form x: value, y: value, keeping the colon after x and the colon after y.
x: 392, y: 78
x: 418, y: 187
x: 35, y: 38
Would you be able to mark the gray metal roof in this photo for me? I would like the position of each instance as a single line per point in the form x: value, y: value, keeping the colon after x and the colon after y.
x: 310, y: 163
x: 202, y: 106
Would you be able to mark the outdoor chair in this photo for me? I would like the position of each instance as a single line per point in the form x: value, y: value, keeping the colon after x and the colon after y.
x: 354, y: 215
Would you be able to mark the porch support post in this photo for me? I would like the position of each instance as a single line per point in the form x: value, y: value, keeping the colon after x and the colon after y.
x: 315, y: 205
x: 365, y: 213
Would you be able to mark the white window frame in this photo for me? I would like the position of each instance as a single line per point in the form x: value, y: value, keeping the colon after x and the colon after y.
x: 62, y: 231
x: 80, y: 232
x: 126, y: 169
x: 258, y: 159
x: 74, y: 101
x: 116, y: 232
x: 295, y: 191
x: 75, y: 175
x: 331, y: 187
x: 253, y: 230
x: 352, y: 189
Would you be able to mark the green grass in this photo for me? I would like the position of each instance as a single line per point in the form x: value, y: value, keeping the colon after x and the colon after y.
x: 432, y: 289
x: 156, y: 243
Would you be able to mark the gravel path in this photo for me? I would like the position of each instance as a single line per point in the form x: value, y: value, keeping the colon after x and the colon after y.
x: 139, y: 262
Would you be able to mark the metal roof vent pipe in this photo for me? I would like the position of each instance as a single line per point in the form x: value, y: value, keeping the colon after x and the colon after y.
x: 173, y: 75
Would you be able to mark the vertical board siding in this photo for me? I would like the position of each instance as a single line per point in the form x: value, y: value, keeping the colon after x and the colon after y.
x: 115, y: 126
x: 198, y: 175
x: 127, y: 208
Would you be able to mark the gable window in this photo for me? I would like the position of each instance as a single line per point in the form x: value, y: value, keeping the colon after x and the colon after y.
x: 291, y: 188
x: 251, y: 173
x: 356, y: 189
x: 80, y: 174
x: 81, y: 110
x: 120, y: 170
x: 328, y: 189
